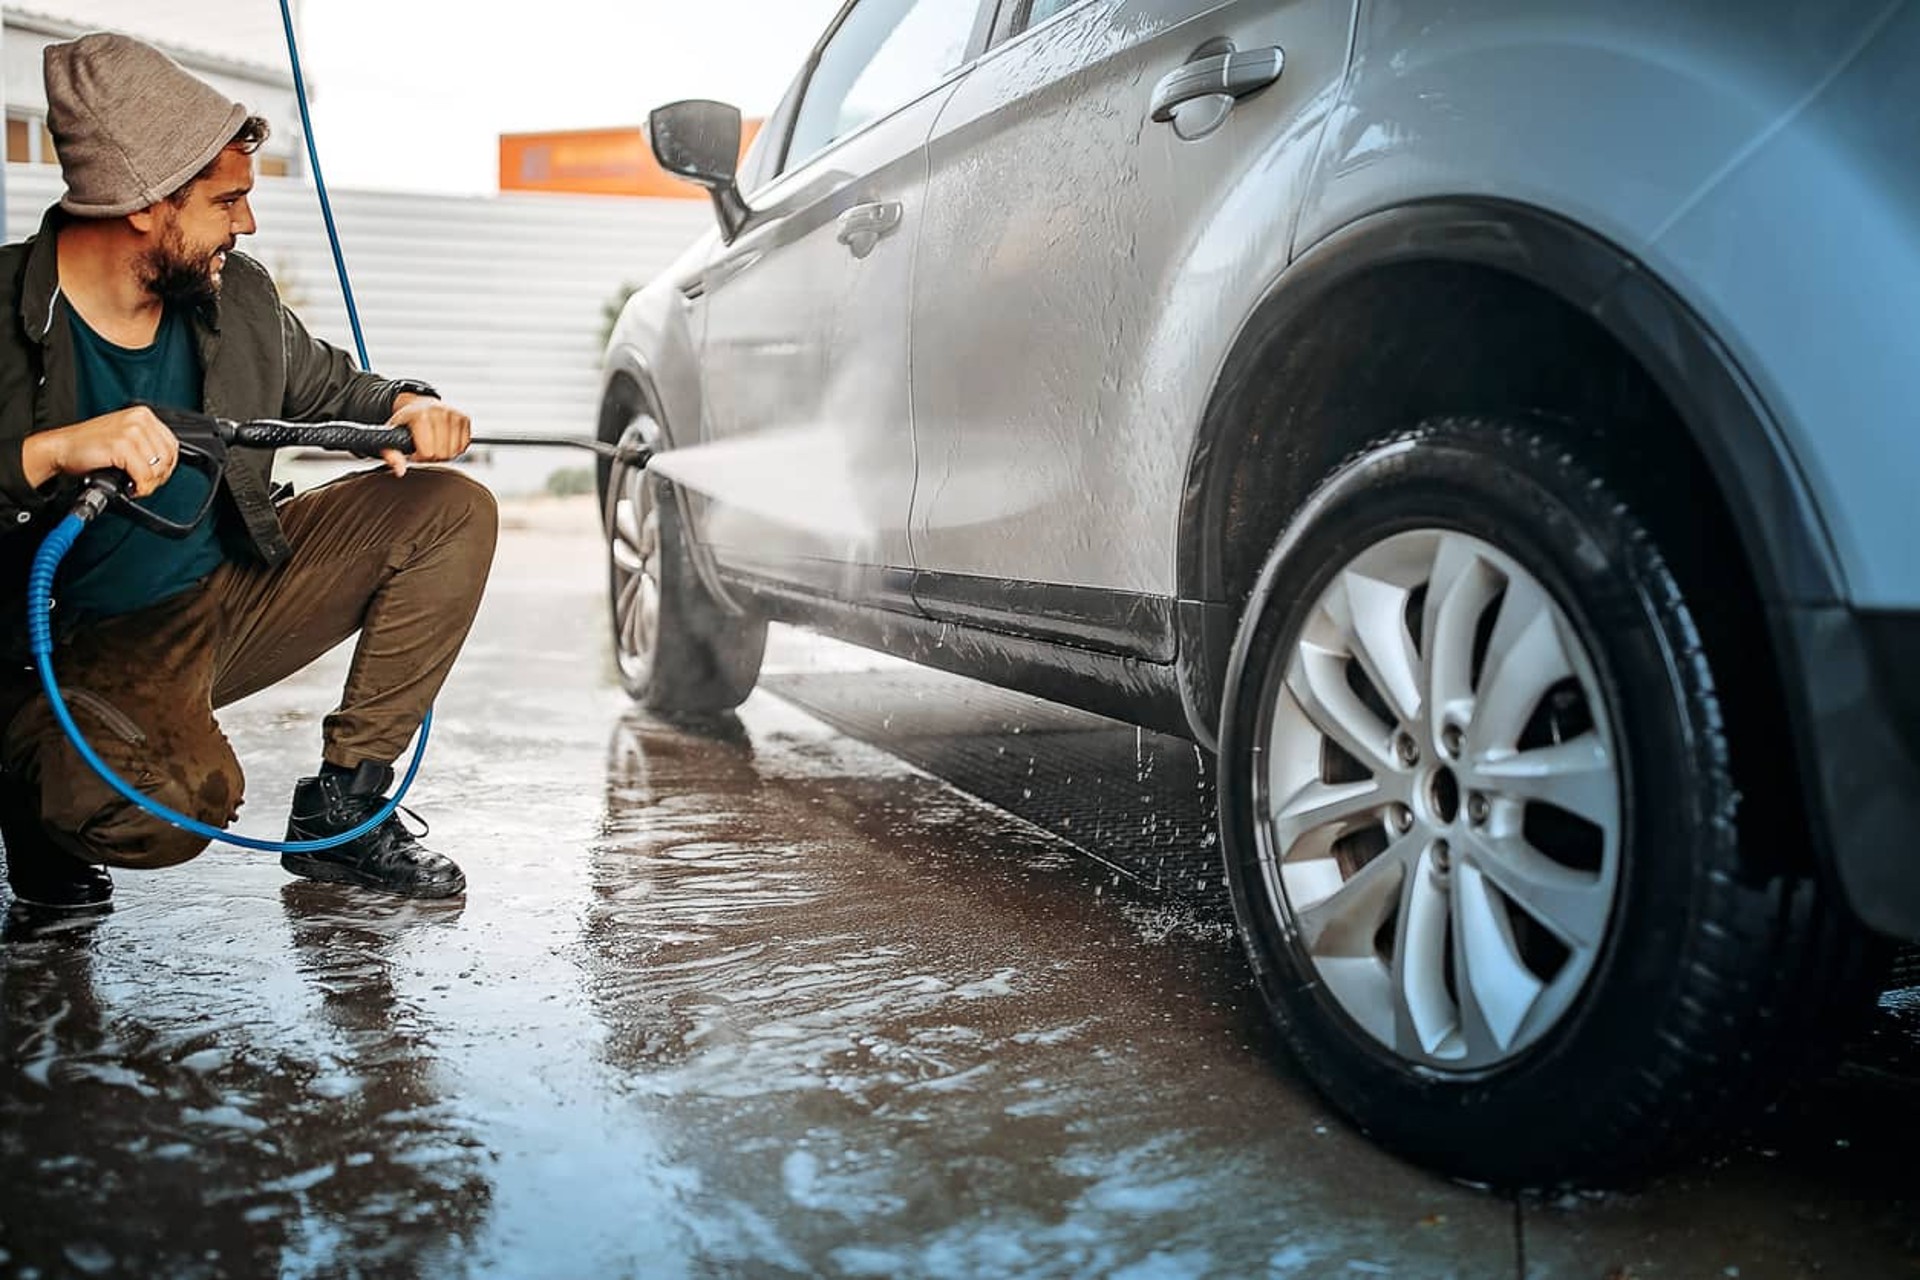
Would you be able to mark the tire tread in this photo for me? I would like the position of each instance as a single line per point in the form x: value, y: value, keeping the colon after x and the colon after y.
x: 1774, y: 973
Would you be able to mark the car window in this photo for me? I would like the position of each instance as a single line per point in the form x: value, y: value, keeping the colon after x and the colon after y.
x: 1038, y: 11
x: 886, y: 54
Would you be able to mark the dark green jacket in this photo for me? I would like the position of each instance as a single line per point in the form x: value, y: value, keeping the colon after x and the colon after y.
x: 258, y: 361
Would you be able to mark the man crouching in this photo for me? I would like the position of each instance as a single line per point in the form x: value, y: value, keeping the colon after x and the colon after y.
x: 132, y: 294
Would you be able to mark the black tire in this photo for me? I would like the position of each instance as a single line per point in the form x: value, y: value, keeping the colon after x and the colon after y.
x: 1709, y: 983
x: 680, y: 652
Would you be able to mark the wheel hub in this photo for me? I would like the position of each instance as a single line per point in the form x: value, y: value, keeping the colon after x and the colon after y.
x: 633, y: 537
x: 1443, y: 796
x: 1439, y: 799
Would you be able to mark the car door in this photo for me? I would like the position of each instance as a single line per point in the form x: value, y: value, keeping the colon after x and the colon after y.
x: 805, y: 470
x: 1080, y: 272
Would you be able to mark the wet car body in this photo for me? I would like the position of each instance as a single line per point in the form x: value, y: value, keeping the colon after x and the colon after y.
x: 1031, y: 359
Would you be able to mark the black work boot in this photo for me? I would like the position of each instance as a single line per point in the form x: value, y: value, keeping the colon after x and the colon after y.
x: 44, y: 878
x: 387, y: 858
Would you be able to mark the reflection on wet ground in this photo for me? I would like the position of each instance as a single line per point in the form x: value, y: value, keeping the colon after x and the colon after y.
x: 758, y: 999
x: 171, y: 1107
x: 894, y: 1035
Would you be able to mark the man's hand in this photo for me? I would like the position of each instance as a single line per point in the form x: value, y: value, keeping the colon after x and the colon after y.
x: 440, y: 431
x: 133, y: 440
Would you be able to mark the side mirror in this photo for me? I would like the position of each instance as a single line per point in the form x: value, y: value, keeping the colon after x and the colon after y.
x: 700, y: 141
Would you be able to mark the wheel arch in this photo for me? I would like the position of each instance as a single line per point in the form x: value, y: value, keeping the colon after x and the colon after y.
x: 629, y: 387
x: 1386, y: 322
x: 1485, y: 307
x: 652, y: 354
x: 626, y: 389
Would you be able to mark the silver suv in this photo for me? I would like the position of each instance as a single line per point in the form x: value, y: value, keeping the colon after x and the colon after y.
x: 1488, y: 426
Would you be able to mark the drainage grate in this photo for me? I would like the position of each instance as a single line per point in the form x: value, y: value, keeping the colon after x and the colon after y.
x: 1142, y: 802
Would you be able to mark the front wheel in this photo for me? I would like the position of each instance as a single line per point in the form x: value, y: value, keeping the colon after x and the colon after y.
x: 1479, y: 813
x: 679, y: 651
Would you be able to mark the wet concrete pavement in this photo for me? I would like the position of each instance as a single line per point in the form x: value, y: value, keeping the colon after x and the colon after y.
x: 768, y: 1000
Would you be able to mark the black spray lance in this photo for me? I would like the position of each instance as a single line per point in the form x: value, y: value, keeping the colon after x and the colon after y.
x: 204, y: 442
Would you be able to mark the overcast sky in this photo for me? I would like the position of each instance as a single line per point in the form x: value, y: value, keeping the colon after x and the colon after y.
x: 413, y: 94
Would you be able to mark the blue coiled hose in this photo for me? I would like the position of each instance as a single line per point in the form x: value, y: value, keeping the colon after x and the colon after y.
x: 46, y: 562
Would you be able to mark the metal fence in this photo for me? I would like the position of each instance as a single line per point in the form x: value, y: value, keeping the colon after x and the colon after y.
x: 498, y: 301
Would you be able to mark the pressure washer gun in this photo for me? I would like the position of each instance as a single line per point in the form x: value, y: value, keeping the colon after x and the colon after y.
x: 204, y: 441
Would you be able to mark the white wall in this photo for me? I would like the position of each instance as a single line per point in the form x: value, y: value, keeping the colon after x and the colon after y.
x: 495, y: 300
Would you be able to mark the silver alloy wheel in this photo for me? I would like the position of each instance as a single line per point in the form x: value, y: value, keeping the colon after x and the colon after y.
x: 633, y: 536
x: 1438, y: 799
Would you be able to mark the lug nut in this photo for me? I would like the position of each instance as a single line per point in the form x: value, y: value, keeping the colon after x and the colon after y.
x: 1442, y: 857
x: 1451, y: 740
x: 1477, y: 809
x: 1402, y: 818
x: 1407, y: 749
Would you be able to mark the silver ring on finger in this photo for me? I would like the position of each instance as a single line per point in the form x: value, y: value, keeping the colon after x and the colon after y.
x: 154, y: 461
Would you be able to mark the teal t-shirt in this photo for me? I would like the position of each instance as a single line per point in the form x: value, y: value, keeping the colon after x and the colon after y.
x: 116, y: 566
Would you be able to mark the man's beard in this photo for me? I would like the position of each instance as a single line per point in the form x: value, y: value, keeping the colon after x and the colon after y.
x: 175, y: 277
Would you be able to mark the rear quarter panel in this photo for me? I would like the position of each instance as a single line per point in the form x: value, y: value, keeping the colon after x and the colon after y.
x: 1755, y: 157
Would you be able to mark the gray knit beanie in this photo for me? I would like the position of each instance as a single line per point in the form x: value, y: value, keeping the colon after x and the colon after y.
x: 131, y: 125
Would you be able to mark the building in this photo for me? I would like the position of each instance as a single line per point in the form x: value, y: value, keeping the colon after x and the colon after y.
x: 500, y: 301
x: 613, y: 162
x: 246, y: 60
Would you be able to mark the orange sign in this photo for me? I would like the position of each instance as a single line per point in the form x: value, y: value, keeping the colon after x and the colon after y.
x: 614, y: 162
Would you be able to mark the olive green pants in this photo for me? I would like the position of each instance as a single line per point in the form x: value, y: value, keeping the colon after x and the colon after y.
x: 402, y: 560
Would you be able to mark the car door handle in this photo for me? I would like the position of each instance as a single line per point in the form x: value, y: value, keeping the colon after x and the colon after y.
x: 1235, y: 75
x: 863, y: 226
